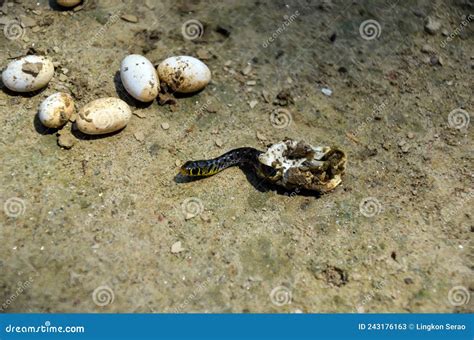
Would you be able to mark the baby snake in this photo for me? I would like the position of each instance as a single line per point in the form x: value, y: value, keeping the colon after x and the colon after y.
x: 239, y: 156
x: 289, y: 163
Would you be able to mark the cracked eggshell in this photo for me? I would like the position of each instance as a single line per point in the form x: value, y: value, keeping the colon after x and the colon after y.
x: 56, y: 110
x: 27, y: 74
x: 104, y: 115
x: 184, y: 74
x: 139, y: 78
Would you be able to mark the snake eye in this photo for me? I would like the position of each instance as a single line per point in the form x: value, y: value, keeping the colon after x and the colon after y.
x: 187, y: 169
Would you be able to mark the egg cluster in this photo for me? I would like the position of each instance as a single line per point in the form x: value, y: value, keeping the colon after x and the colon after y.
x: 181, y: 74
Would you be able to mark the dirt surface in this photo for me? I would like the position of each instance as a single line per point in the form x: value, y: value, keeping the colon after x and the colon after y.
x: 101, y: 224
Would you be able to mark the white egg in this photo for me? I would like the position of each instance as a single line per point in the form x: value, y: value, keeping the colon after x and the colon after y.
x: 184, y: 74
x: 27, y: 74
x: 103, y: 115
x: 56, y: 110
x: 139, y: 78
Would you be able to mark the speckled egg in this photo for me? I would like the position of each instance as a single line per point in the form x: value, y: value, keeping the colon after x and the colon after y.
x: 139, y: 78
x: 56, y: 110
x: 27, y: 74
x: 104, y: 115
x: 184, y: 74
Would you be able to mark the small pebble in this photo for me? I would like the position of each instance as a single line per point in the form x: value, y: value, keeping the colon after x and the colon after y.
x: 149, y: 4
x: 205, y: 217
x: 219, y: 142
x: 432, y: 25
x: 129, y: 18
x: 436, y: 60
x: 176, y: 247
x: 261, y: 136
x: 427, y: 49
x: 211, y: 108
x: 165, y: 126
x: 410, y: 135
x: 28, y: 22
x: 139, y: 136
x: 66, y: 140
x: 247, y: 69
x: 253, y: 103
x: 203, y: 54
x: 266, y: 96
x: 326, y: 91
x: 140, y: 114
x: 251, y: 83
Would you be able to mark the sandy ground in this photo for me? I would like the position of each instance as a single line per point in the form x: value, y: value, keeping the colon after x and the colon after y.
x: 91, y: 228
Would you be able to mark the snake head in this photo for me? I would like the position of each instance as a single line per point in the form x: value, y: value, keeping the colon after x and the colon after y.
x: 187, y: 169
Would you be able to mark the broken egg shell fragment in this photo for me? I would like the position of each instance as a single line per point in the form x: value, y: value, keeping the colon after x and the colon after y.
x: 56, y: 110
x: 184, y: 74
x: 28, y: 74
x: 104, y: 115
x: 300, y: 165
x: 139, y: 78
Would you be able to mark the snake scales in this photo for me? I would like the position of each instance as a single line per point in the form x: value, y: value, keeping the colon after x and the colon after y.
x: 289, y: 163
